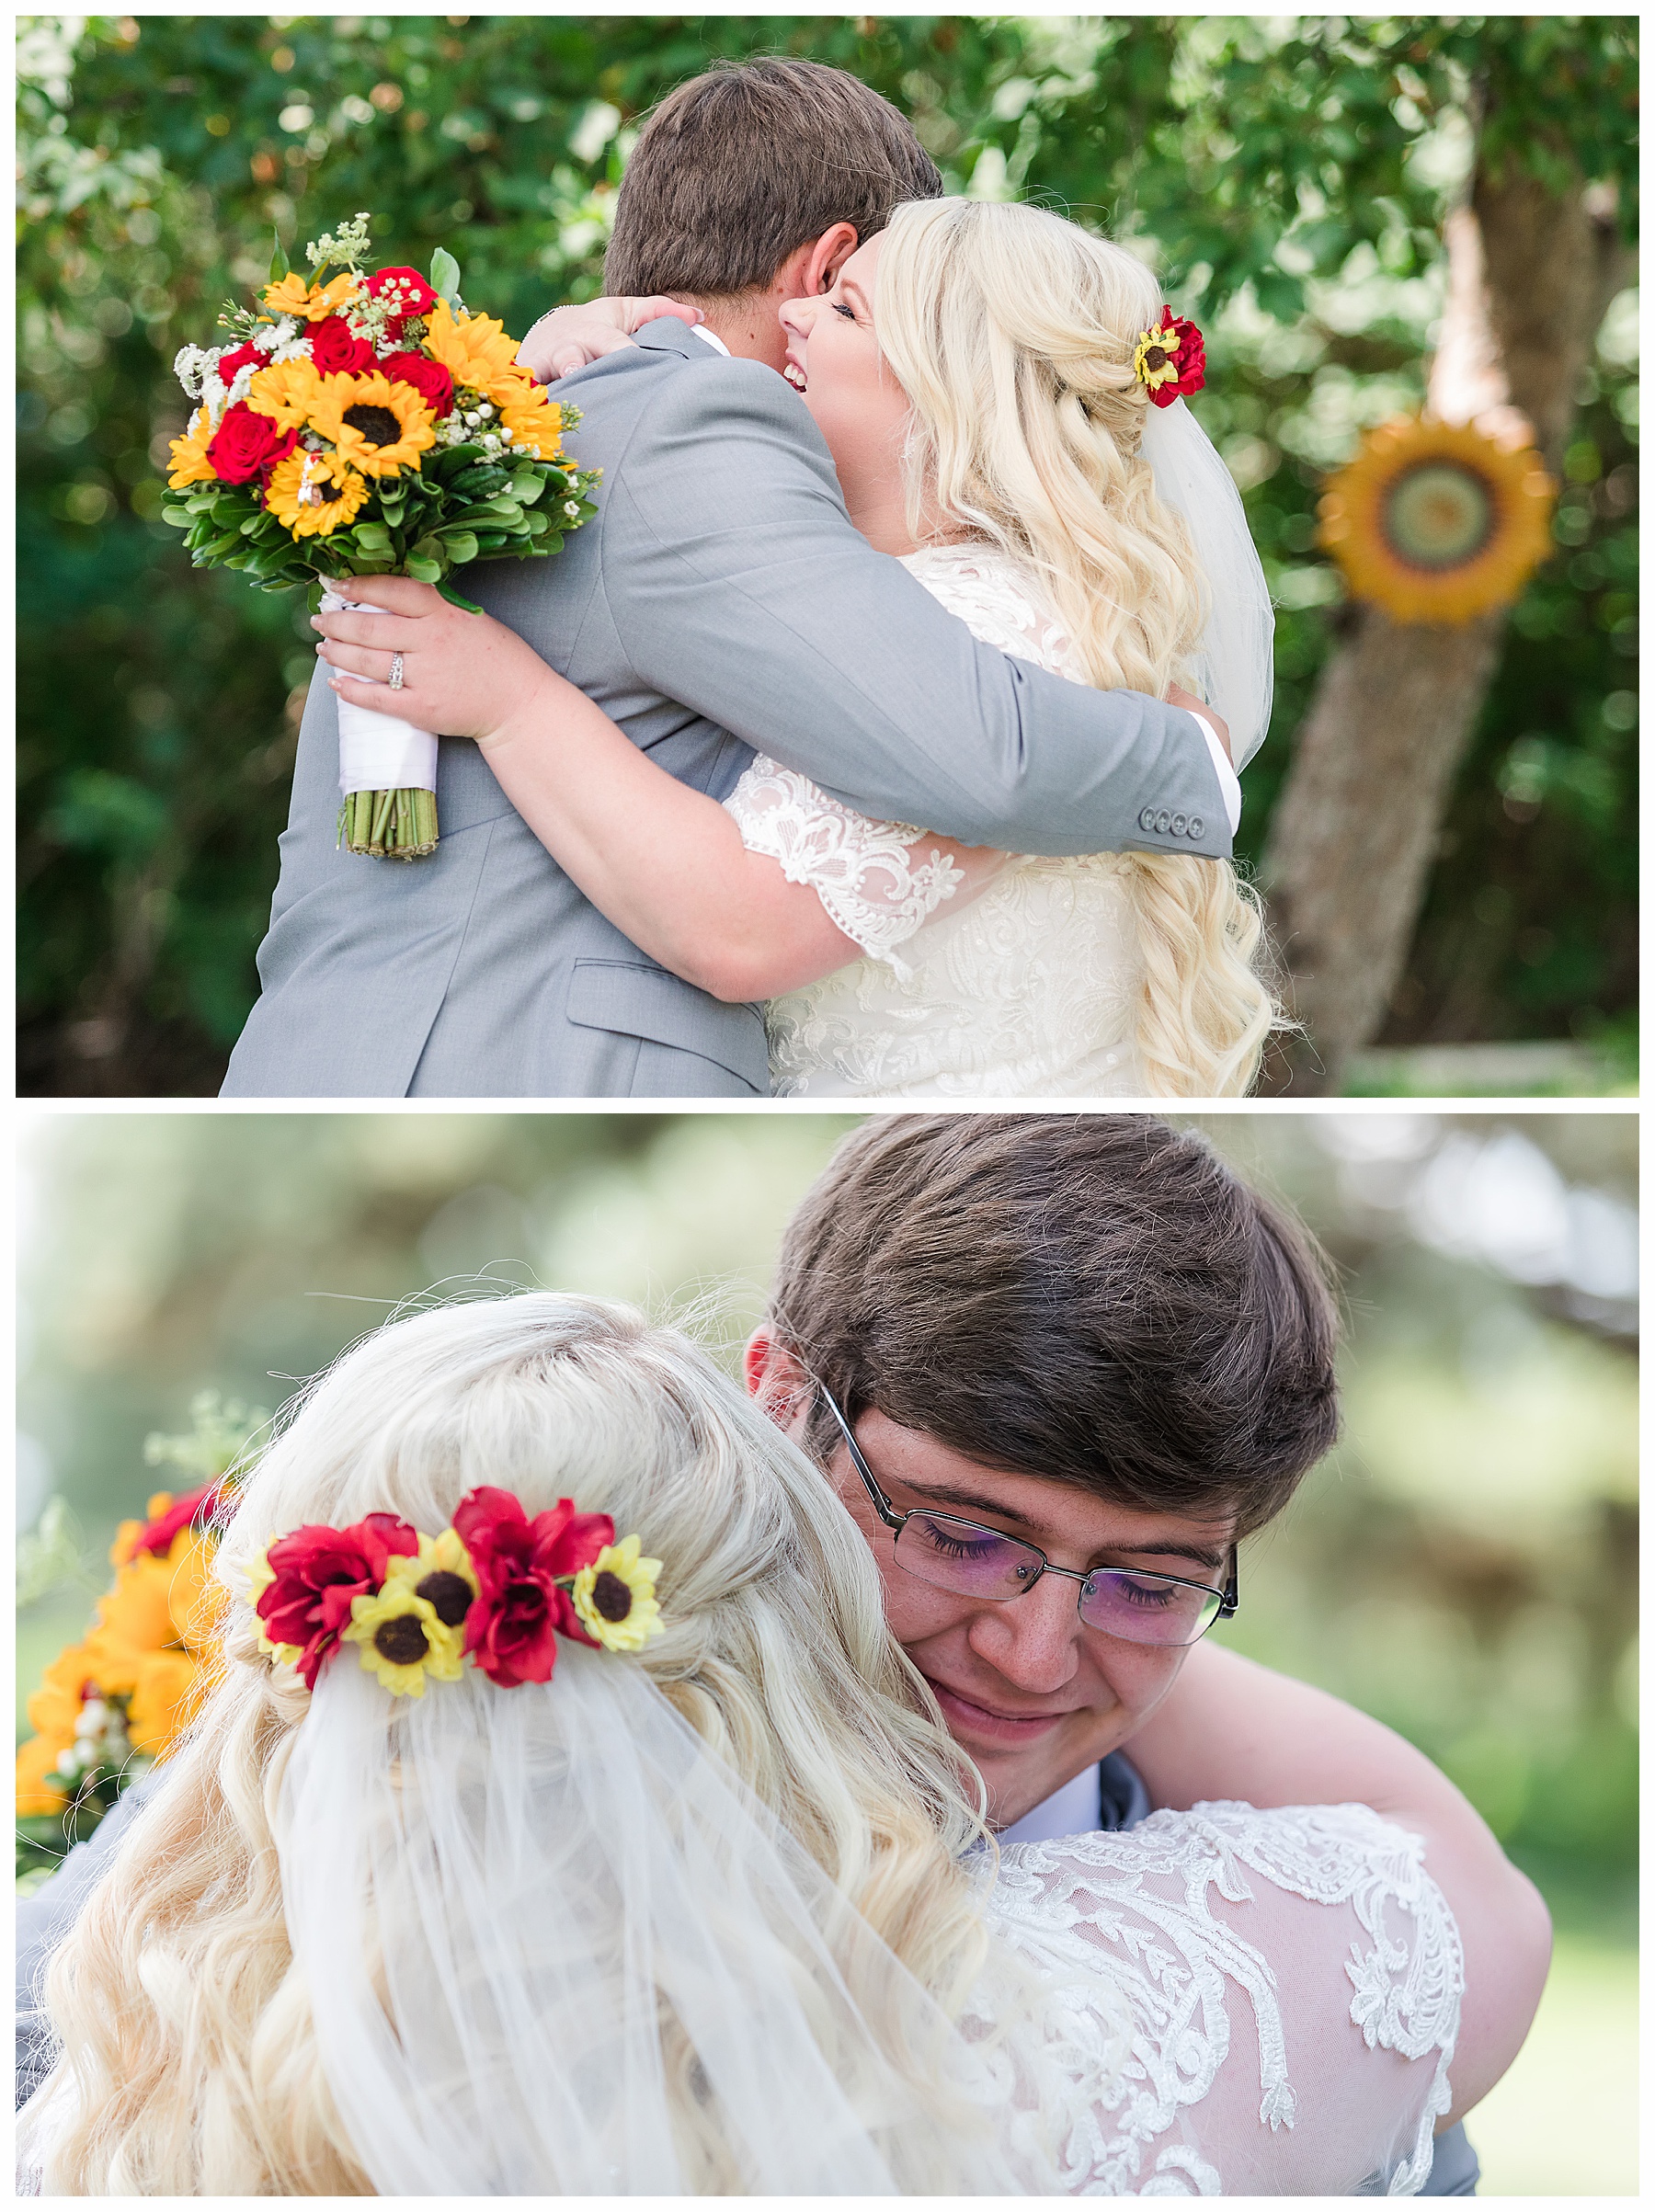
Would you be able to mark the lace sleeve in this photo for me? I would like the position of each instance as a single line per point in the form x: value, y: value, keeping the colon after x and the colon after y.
x: 880, y: 882
x: 1292, y: 1980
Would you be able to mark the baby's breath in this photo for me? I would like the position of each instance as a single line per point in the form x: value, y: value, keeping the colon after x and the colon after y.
x: 349, y: 245
x: 189, y: 363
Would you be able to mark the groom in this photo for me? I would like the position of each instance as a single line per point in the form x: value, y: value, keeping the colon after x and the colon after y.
x: 1082, y: 1331
x: 720, y: 602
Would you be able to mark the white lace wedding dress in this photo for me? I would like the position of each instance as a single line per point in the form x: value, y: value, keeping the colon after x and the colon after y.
x: 983, y: 973
x: 1237, y: 2003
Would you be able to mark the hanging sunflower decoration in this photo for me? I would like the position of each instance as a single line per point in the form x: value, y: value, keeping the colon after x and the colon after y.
x: 1436, y: 523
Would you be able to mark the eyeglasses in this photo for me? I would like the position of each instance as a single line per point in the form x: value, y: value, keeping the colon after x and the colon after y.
x: 978, y: 1562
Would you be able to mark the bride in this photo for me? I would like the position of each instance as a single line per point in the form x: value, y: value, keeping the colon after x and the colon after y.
x: 985, y: 381
x: 508, y: 1858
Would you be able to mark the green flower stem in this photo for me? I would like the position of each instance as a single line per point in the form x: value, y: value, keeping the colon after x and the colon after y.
x: 390, y: 825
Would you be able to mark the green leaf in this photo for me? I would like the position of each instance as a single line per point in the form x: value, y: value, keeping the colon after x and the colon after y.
x: 456, y: 599
x: 461, y: 546
x: 278, y: 260
x: 372, y: 537
x: 424, y: 572
x: 179, y: 516
x: 445, y: 276
x: 527, y: 487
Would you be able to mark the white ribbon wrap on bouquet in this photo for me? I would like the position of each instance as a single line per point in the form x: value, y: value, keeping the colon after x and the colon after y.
x: 379, y: 752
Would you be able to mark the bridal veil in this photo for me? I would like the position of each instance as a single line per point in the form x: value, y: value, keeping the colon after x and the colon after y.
x: 1235, y: 660
x: 552, y: 1946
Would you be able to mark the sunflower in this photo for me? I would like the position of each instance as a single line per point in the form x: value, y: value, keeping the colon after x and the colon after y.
x: 534, y: 421
x: 55, y: 1709
x: 188, y: 455
x: 442, y: 1573
x: 311, y: 302
x: 403, y: 1640
x: 127, y: 1533
x: 288, y: 392
x: 475, y: 350
x: 1435, y: 522
x: 136, y: 1615
x: 167, y: 1688
x: 378, y: 426
x: 38, y: 1790
x: 312, y: 493
x: 615, y: 1597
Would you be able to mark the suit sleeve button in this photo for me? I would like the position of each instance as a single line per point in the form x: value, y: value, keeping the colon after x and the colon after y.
x: 1179, y: 826
x: 1146, y: 819
x: 1163, y: 822
x: 1196, y: 825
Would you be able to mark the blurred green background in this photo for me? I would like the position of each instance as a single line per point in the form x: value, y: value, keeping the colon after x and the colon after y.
x: 1464, y: 1565
x: 1292, y: 173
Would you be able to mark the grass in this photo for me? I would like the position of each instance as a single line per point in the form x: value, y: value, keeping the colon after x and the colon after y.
x: 1564, y: 2120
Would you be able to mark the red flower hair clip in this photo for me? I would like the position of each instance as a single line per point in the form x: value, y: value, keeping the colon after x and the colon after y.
x: 497, y: 1588
x: 1170, y: 359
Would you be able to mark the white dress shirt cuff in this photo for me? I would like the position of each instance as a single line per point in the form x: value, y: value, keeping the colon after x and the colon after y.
x: 1229, y: 783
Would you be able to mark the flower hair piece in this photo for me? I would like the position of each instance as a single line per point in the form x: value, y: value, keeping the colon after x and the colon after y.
x: 497, y: 1588
x: 1170, y: 359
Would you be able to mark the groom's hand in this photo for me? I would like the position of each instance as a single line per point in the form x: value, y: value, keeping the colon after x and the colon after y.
x: 1192, y: 705
x: 569, y: 338
x: 462, y: 674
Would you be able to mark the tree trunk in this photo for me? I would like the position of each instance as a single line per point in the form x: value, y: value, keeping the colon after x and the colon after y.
x: 1355, y: 829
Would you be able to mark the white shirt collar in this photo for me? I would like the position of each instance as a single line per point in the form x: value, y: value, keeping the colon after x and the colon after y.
x: 711, y: 337
x: 1075, y: 1809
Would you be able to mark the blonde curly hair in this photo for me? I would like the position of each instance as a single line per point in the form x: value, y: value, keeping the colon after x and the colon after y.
x: 185, y: 2034
x: 1011, y: 334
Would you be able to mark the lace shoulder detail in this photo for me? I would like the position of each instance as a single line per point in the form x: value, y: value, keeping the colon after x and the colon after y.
x: 1001, y: 600
x: 1165, y: 1917
x: 878, y: 880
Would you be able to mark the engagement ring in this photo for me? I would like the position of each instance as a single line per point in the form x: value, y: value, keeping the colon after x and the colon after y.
x: 396, y: 674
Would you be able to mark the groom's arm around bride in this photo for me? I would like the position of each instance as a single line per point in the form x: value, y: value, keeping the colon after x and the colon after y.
x: 721, y: 602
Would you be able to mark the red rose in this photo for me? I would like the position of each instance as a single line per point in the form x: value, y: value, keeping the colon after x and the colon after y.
x: 230, y: 362
x: 1188, y: 356
x: 428, y: 378
x: 318, y: 1571
x: 412, y: 295
x: 159, y: 1535
x: 336, y: 351
x: 246, y: 443
x: 510, y: 1630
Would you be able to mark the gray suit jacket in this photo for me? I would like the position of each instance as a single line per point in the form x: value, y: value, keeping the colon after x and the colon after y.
x: 45, y: 1919
x: 720, y: 602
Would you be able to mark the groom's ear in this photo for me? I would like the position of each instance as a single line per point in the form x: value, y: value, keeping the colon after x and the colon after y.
x: 774, y: 1377
x: 823, y: 260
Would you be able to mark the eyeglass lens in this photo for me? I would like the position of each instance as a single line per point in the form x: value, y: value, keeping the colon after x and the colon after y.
x: 1139, y: 1608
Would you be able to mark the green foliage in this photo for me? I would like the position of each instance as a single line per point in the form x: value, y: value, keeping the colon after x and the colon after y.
x: 1288, y: 176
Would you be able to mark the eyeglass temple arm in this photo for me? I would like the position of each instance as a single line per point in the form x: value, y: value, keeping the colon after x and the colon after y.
x: 881, y: 1503
x: 1232, y: 1588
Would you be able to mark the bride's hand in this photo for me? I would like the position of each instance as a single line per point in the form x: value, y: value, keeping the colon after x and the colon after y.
x: 462, y: 674
x: 569, y: 338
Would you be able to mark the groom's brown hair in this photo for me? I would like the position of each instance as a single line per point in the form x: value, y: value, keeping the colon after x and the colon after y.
x: 1094, y: 1298
x: 738, y: 168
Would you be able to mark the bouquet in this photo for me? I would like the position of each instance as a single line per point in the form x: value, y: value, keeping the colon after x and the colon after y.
x: 368, y: 426
x: 111, y: 1704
